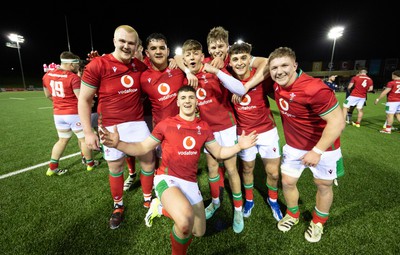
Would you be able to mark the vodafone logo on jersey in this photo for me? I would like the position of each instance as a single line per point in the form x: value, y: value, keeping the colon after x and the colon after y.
x: 189, y: 142
x: 283, y: 104
x: 201, y: 94
x: 246, y: 100
x: 127, y: 81
x: 164, y: 89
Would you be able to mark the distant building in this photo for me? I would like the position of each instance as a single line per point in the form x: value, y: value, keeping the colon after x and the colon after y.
x: 379, y: 70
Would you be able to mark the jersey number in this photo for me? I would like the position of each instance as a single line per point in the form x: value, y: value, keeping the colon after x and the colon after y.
x: 364, y: 83
x: 57, y: 89
x: 398, y: 89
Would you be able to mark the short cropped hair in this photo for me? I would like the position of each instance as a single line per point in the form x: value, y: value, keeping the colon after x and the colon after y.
x: 191, y: 44
x: 238, y: 48
x: 186, y: 88
x: 282, y: 52
x: 157, y: 37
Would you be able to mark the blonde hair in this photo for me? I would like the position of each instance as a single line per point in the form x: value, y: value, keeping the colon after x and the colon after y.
x: 128, y: 29
x: 191, y: 44
x: 218, y: 34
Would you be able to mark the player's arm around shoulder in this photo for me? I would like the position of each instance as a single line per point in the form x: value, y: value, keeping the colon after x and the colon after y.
x: 223, y: 152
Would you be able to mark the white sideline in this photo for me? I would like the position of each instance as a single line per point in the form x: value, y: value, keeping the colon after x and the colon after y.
x: 36, y: 166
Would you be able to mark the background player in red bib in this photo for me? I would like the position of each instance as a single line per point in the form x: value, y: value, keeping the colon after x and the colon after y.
x: 359, y: 86
x: 62, y: 86
x: 392, y: 92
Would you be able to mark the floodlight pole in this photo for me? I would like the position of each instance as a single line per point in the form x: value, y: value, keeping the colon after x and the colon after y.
x: 20, y: 63
x: 334, y: 33
x: 19, y: 39
x: 333, y: 52
x: 66, y: 28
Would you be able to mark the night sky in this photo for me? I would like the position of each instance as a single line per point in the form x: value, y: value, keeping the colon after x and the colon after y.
x: 371, y: 30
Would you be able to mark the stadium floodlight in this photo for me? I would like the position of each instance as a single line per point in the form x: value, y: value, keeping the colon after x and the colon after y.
x: 18, y: 39
x: 178, y: 51
x: 334, y: 33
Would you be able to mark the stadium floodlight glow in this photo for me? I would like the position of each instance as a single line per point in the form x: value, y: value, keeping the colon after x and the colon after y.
x: 18, y: 39
x: 178, y: 51
x: 334, y: 33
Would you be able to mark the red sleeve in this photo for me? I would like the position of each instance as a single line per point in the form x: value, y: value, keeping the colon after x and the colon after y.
x: 92, y: 74
x: 159, y: 130
x: 76, y: 82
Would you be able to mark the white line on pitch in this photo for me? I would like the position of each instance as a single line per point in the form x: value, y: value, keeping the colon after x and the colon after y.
x: 35, y: 166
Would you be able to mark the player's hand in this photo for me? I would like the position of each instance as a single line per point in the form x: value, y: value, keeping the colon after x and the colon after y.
x: 236, y: 99
x: 107, y: 138
x: 92, y: 55
x: 310, y: 159
x: 247, y: 141
x: 172, y: 63
x: 217, y: 62
x: 192, y: 80
x: 210, y: 69
x: 92, y: 141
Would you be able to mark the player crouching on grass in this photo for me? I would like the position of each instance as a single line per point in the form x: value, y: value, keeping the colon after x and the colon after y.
x: 178, y: 195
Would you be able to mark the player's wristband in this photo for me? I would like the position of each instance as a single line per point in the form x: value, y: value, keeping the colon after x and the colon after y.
x: 316, y: 150
x: 187, y: 71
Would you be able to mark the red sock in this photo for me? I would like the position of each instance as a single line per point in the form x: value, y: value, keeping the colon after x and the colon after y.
x: 116, y: 185
x: 248, y: 192
x: 294, y: 215
x: 237, y: 200
x: 179, y: 246
x: 90, y: 162
x: 53, y: 164
x: 317, y: 218
x: 146, y: 180
x: 130, y: 161
x: 214, y: 188
x: 221, y: 172
x: 273, y: 194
